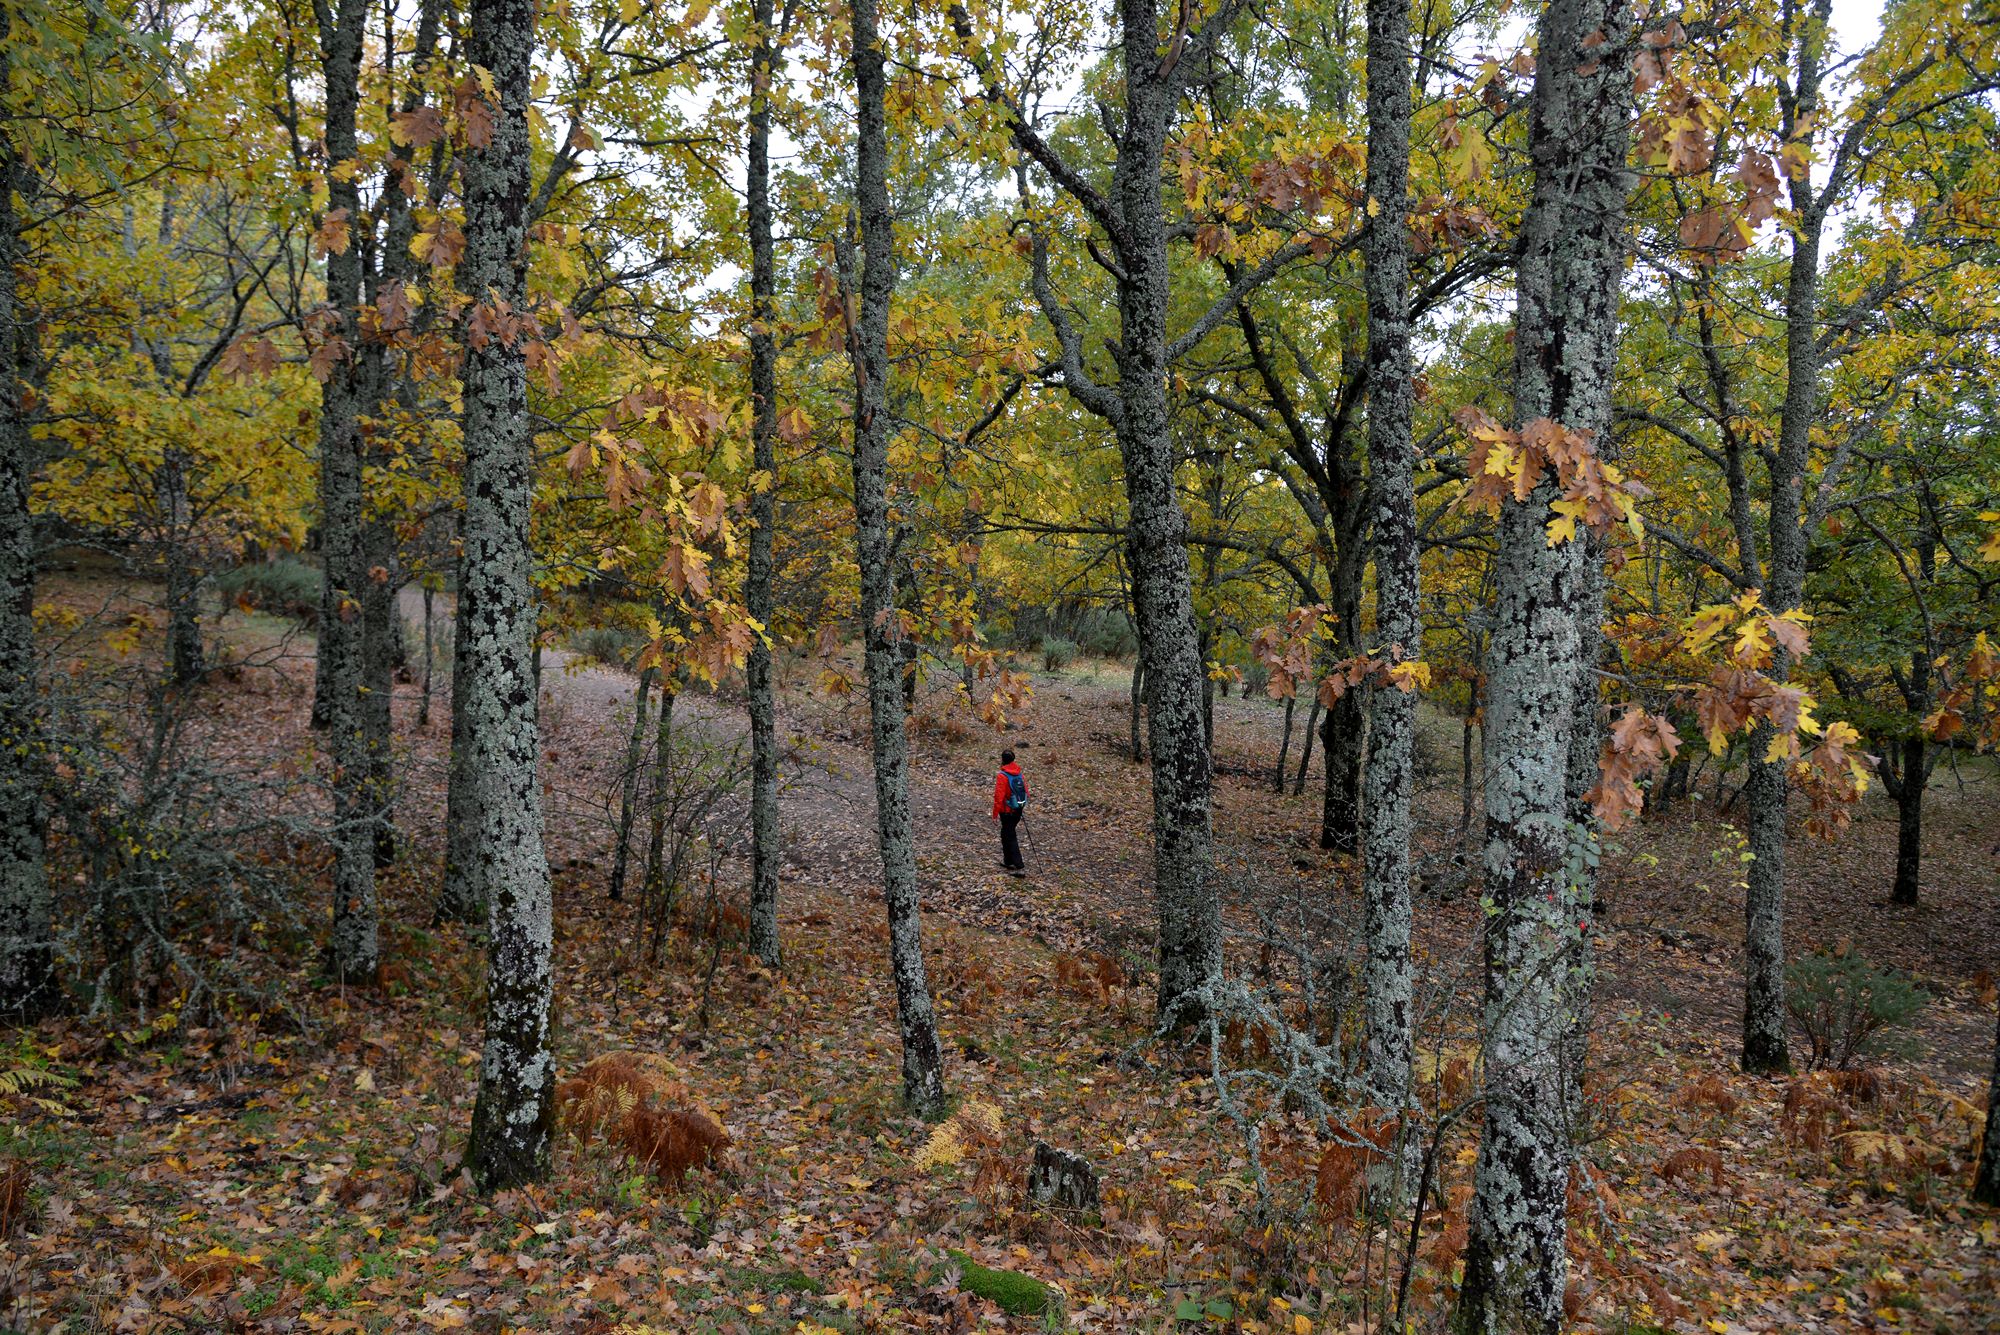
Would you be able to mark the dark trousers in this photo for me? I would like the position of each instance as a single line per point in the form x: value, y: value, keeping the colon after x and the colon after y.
x: 1010, y: 840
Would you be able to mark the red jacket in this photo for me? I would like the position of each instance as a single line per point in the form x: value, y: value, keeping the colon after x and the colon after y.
x: 1001, y: 789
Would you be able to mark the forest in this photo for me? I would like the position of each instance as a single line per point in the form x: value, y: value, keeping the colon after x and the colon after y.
x: 797, y: 666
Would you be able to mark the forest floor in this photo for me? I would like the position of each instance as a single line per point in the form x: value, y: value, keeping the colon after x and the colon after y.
x: 295, y: 1168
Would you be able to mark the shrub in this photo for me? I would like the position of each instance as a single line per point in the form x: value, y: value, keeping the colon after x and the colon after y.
x: 285, y: 587
x: 1058, y: 653
x: 1844, y: 1004
x: 1107, y: 633
x: 606, y: 644
x: 1256, y: 678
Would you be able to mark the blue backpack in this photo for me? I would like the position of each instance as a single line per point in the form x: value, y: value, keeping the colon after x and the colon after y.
x: 1017, y: 793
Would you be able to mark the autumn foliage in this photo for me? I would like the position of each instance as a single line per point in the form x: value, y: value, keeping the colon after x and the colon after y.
x: 637, y: 1104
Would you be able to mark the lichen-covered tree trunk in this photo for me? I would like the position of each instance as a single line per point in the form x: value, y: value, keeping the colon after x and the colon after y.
x: 379, y: 643
x: 1343, y: 726
x: 1986, y: 1178
x: 923, y: 1062
x: 1137, y: 714
x: 462, y: 895
x: 343, y: 399
x: 628, y: 786
x: 1766, y: 1044
x: 1565, y: 340
x: 657, y: 880
x: 1190, y: 917
x: 185, y: 660
x: 511, y: 1121
x: 27, y: 948
x: 766, y: 843
x: 1391, y: 770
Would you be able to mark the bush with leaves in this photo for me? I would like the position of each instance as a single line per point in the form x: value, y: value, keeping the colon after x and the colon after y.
x: 285, y: 587
x: 182, y: 864
x: 1106, y: 633
x: 611, y: 645
x: 1058, y: 653
x: 1845, y: 1004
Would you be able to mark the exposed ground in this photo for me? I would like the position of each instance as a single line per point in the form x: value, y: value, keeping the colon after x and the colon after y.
x: 259, y: 1174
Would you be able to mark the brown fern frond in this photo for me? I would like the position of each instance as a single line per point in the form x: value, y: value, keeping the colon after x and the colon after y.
x: 1692, y: 1163
x: 1710, y: 1092
x: 638, y: 1102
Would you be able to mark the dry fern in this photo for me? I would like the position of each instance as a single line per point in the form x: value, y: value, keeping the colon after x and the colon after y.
x: 1691, y: 1164
x: 637, y: 1102
x: 1710, y: 1092
x: 974, y: 1126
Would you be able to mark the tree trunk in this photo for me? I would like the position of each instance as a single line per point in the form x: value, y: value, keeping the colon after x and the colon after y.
x: 1910, y: 821
x: 343, y: 399
x: 1284, y: 748
x: 1465, y: 774
x: 1766, y: 1046
x: 1134, y: 220
x: 1138, y: 709
x: 628, y: 791
x: 1391, y: 769
x: 923, y: 1062
x: 170, y: 488
x: 430, y: 658
x: 28, y: 987
x: 513, y: 1117
x: 1565, y: 341
x: 1986, y: 1178
x: 379, y: 644
x: 766, y: 847
x: 1306, y: 751
x: 654, y: 880
x: 462, y: 897
x: 1345, y: 722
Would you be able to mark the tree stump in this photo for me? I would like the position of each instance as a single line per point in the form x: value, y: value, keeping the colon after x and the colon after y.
x: 1062, y: 1180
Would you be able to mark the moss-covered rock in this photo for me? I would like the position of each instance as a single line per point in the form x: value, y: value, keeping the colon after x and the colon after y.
x: 1016, y: 1293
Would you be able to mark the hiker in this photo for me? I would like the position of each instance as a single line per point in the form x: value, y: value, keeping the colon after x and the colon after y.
x: 1010, y: 803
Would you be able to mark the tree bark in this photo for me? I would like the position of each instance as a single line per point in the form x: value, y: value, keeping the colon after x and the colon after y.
x: 923, y: 1062
x: 28, y: 987
x: 654, y: 879
x: 1133, y: 218
x: 1909, y: 821
x: 1190, y: 916
x: 628, y: 791
x: 343, y: 399
x: 185, y: 660
x: 1565, y: 343
x: 1391, y: 769
x: 430, y: 656
x: 1343, y: 725
x: 1284, y: 747
x: 512, y: 1119
x: 1306, y: 751
x: 1766, y: 1045
x: 766, y: 846
x: 1138, y: 716
x: 1986, y: 1178
x: 462, y: 897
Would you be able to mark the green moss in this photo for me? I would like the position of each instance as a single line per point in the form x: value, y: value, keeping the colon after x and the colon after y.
x: 776, y: 1281
x: 1016, y: 1293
